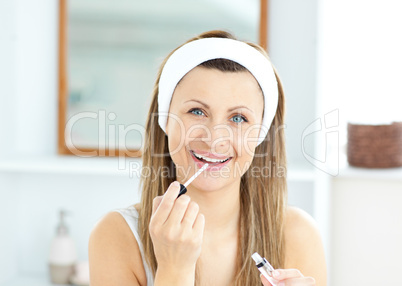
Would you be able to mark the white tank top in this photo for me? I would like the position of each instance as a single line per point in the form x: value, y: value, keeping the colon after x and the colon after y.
x: 130, y: 214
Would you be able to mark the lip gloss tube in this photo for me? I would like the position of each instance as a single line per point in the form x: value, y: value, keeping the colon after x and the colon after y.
x: 264, y: 267
x: 183, y: 188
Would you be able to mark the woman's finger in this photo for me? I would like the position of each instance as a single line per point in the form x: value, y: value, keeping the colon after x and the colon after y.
x: 191, y: 215
x: 199, y: 225
x: 281, y: 274
x: 179, y: 209
x: 156, y: 202
x: 166, y: 205
x: 302, y: 281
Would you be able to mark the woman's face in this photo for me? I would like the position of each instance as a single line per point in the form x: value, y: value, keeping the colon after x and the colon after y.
x: 216, y: 117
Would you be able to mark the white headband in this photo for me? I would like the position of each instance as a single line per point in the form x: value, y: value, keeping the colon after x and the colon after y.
x: 196, y: 52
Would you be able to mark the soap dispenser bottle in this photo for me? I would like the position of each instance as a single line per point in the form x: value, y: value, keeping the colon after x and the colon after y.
x: 63, y: 255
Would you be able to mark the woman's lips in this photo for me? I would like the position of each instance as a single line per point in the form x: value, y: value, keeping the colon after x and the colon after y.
x: 212, y: 166
x: 209, y: 155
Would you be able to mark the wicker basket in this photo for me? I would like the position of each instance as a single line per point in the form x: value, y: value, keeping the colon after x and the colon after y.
x: 375, y: 146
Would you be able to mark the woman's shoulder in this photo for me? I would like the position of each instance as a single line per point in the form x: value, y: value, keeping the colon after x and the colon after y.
x: 110, y: 241
x: 304, y: 248
x: 300, y: 230
x: 114, y: 220
x: 298, y: 220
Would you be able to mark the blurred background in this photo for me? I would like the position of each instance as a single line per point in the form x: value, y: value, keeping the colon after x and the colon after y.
x: 339, y: 61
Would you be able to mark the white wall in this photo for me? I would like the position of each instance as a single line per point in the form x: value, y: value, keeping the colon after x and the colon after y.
x: 293, y: 50
x: 360, y: 59
x: 7, y: 74
x: 28, y: 76
x: 36, y: 88
x: 366, y: 230
x: 8, y: 234
x: 8, y: 247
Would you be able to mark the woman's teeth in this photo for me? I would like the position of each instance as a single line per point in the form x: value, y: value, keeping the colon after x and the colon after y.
x: 209, y: 160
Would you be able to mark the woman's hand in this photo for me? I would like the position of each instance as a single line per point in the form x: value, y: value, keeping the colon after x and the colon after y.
x: 287, y: 277
x: 176, y: 230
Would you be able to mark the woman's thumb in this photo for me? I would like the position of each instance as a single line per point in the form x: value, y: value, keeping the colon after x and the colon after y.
x: 264, y: 281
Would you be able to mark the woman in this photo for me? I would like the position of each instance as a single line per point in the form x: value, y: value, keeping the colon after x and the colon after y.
x: 218, y: 101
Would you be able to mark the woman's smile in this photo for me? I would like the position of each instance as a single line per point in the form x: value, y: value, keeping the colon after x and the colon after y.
x: 215, y: 164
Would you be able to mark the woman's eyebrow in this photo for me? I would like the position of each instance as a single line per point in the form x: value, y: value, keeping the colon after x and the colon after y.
x: 230, y: 109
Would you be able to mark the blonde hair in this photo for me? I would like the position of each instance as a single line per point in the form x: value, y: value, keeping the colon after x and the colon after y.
x: 263, y: 199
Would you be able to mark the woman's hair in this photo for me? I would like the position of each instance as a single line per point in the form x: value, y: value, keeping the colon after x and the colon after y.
x: 263, y: 188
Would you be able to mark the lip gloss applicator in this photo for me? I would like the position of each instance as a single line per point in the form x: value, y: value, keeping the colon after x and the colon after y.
x: 183, y: 188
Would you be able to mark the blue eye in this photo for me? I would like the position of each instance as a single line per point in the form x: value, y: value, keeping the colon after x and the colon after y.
x: 236, y: 119
x: 196, y: 111
x: 239, y: 119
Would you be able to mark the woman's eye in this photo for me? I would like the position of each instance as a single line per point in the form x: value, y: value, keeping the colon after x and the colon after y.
x: 239, y: 119
x: 236, y: 119
x: 196, y: 111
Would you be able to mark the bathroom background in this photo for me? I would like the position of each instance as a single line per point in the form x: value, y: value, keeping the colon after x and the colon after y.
x: 340, y: 61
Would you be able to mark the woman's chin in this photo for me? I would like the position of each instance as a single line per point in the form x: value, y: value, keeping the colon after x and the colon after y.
x: 210, y: 183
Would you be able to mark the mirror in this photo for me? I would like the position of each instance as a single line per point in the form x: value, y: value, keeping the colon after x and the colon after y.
x: 110, y: 52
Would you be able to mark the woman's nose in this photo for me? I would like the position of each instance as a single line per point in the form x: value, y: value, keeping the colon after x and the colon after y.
x: 216, y: 135
x: 221, y: 133
x: 219, y: 138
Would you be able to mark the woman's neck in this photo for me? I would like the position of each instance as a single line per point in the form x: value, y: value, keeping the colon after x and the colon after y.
x: 221, y: 209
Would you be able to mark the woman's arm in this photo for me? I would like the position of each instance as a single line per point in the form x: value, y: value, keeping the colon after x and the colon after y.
x: 113, y: 253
